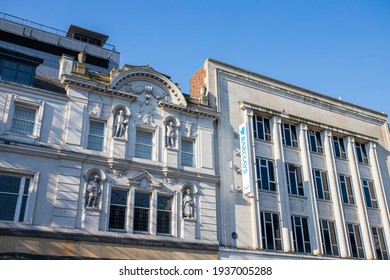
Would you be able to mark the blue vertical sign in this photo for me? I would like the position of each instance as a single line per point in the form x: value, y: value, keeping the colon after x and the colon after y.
x: 246, y: 162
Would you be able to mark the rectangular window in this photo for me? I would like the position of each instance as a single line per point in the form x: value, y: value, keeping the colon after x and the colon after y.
x: 361, y: 152
x: 346, y: 189
x: 16, y: 72
x: 329, y: 240
x: 265, y: 174
x: 294, y: 179
x: 379, y: 243
x: 95, y: 136
x: 369, y: 194
x: 301, y: 234
x: 321, y: 184
x: 187, y: 152
x: 164, y: 213
x: 271, y: 231
x: 144, y: 144
x: 141, y: 211
x: 23, y: 120
x: 289, y: 134
x: 261, y: 128
x: 14, y: 192
x: 355, y: 241
x: 339, y: 148
x: 118, y: 205
x: 315, y: 143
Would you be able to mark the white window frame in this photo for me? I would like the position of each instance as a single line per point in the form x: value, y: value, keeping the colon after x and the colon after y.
x: 347, y: 190
x: 275, y: 221
x: 103, y: 136
x: 259, y: 167
x: 316, y: 136
x: 293, y: 135
x: 182, y: 152
x: 261, y: 121
x: 153, y: 150
x: 357, y: 239
x: 361, y: 153
x: 14, y: 100
x: 301, y: 230
x: 300, y: 191
x: 32, y: 192
x: 370, y: 194
x: 331, y: 237
x: 322, y: 190
x: 379, y: 243
x: 339, y: 147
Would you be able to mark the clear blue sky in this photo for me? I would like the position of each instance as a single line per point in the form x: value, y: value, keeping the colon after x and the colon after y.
x: 340, y: 48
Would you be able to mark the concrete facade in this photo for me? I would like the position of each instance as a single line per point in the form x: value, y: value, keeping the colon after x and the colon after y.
x: 242, y: 96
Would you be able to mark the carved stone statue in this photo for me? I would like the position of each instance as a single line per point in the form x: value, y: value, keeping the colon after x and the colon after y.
x: 170, y: 135
x: 94, y: 191
x: 188, y: 204
x: 120, y: 124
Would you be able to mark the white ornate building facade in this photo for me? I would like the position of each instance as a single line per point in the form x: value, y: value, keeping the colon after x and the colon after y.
x: 303, y: 175
x: 98, y: 161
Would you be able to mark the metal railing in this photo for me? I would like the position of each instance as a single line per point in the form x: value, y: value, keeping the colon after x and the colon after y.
x: 46, y: 28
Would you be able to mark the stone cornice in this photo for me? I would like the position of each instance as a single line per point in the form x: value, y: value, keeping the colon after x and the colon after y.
x: 296, y: 119
x: 300, y: 94
x: 95, y: 86
x: 191, y: 110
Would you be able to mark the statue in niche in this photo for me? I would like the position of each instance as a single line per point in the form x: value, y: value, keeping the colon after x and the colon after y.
x: 94, y: 191
x: 120, y: 124
x: 170, y: 137
x: 188, y: 206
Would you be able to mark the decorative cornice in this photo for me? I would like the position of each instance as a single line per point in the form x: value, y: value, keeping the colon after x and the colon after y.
x: 190, y: 110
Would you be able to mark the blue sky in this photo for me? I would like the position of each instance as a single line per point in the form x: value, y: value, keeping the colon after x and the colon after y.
x: 340, y: 48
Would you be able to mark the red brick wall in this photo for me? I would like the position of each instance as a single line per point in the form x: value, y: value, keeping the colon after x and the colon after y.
x: 196, y: 82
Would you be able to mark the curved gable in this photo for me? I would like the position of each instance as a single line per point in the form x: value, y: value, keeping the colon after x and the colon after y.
x: 144, y: 80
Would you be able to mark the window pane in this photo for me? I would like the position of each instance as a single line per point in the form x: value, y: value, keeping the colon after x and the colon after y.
x: 187, y: 152
x: 141, y: 219
x: 23, y: 120
x: 164, y: 203
x: 9, y: 184
x: 144, y: 144
x: 8, y: 206
x: 142, y: 200
x: 117, y: 217
x: 118, y: 197
x: 96, y: 136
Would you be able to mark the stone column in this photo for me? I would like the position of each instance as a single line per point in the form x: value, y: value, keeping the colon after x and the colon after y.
x: 358, y: 191
x: 153, y: 211
x: 336, y: 195
x: 380, y: 192
x: 284, y: 202
x: 315, y: 231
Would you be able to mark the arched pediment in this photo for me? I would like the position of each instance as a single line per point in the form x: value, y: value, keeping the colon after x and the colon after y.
x: 144, y: 80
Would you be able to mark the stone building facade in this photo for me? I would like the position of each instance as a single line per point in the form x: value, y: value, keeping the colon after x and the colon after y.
x: 303, y: 175
x: 98, y: 161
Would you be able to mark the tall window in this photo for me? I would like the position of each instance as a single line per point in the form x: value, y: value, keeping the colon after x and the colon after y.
x: 369, y: 194
x: 265, y: 174
x: 118, y: 205
x: 301, y: 234
x: 141, y: 211
x: 346, y: 189
x: 329, y: 240
x: 339, y: 148
x: 361, y: 152
x: 144, y: 144
x: 261, y: 128
x: 271, y: 231
x: 164, y: 212
x: 315, y: 143
x: 14, y: 192
x: 321, y: 183
x: 355, y: 241
x: 289, y: 133
x: 294, y: 179
x: 187, y: 152
x: 95, y: 135
x: 16, y: 72
x: 23, y: 120
x: 379, y: 243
